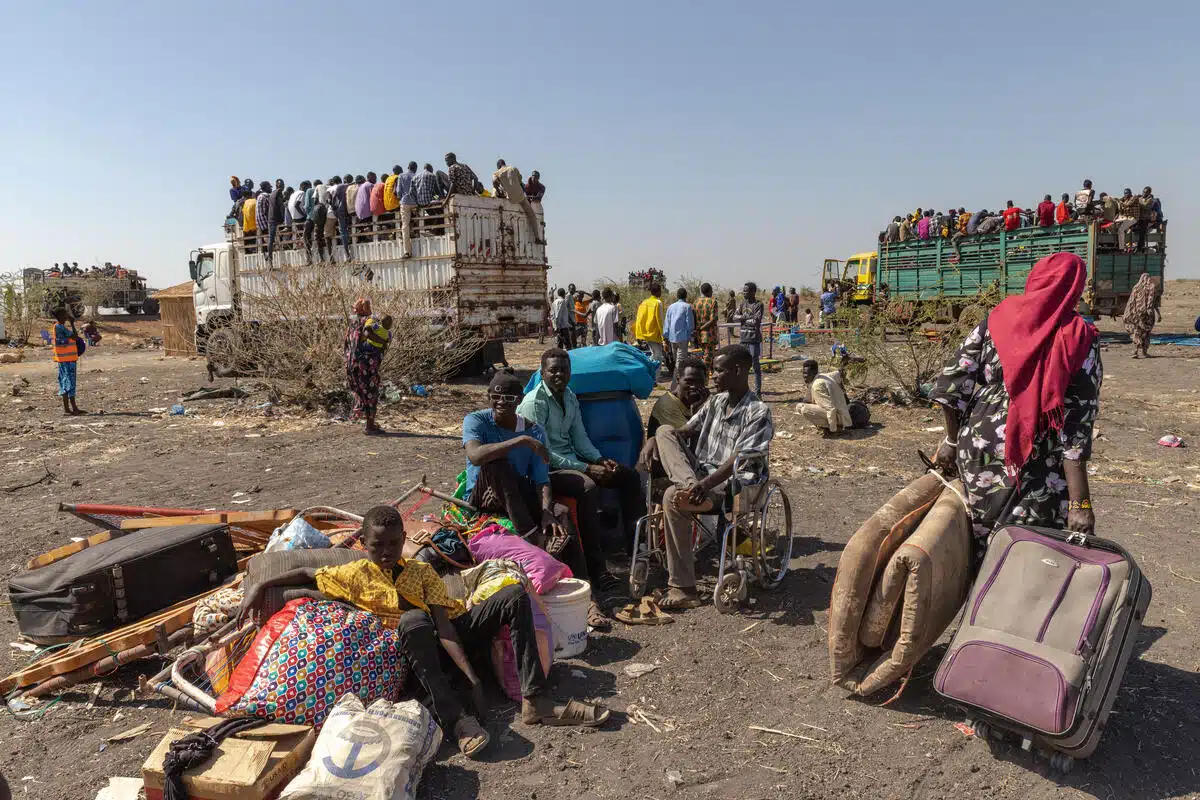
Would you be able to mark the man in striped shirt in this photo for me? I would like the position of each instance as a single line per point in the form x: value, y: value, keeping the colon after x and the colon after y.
x: 699, y: 459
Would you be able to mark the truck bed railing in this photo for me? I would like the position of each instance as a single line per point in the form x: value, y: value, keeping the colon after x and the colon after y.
x: 426, y: 221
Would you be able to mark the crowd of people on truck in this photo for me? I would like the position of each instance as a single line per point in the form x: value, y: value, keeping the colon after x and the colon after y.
x: 73, y: 270
x: 330, y: 211
x: 1138, y: 214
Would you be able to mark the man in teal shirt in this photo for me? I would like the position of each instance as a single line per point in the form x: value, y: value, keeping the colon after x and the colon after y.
x: 577, y: 469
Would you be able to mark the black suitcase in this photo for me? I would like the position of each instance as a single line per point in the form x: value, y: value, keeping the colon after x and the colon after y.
x: 120, y: 581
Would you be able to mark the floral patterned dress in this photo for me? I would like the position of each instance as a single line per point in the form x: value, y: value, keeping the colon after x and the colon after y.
x: 973, y: 384
x: 362, y: 369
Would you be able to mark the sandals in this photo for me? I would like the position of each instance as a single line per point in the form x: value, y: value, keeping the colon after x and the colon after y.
x: 668, y: 603
x: 647, y: 612
x: 470, y: 735
x: 575, y: 713
x: 596, y: 618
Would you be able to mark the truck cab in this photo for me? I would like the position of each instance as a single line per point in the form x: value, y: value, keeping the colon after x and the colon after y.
x: 855, y: 276
x: 215, y: 279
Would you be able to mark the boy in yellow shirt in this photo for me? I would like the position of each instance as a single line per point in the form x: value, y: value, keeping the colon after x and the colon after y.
x: 411, y: 596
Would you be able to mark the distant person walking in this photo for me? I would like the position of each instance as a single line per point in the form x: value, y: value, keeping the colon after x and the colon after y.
x: 66, y: 354
x: 1141, y: 312
x: 828, y: 306
x: 678, y: 327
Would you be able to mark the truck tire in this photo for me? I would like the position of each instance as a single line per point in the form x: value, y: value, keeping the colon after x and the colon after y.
x: 133, y: 310
x: 150, y: 306
x: 221, y: 346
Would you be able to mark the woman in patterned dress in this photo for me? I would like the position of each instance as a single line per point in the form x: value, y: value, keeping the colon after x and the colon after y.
x: 362, y: 368
x: 1140, y: 315
x: 1020, y: 397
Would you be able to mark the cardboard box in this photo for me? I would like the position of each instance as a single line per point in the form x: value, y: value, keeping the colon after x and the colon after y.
x: 253, y: 765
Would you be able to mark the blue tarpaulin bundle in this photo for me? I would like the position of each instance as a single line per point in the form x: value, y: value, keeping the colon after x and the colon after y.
x: 615, y: 367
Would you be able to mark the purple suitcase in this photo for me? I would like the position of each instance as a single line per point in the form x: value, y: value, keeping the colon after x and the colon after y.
x: 1049, y: 626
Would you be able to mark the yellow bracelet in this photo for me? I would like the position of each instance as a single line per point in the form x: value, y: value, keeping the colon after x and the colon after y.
x: 1080, y: 505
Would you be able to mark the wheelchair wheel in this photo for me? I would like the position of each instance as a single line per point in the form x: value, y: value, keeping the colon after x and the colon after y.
x: 639, y: 577
x: 728, y: 594
x: 773, y: 537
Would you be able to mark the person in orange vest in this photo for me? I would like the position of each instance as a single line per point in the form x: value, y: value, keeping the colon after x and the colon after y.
x: 66, y: 355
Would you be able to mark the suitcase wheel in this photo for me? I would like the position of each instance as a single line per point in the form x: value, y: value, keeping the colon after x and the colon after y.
x: 981, y: 728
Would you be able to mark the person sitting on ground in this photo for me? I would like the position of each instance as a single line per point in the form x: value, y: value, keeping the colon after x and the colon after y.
x: 1063, y: 212
x: 577, y: 468
x: 826, y: 406
x: 408, y: 595
x: 699, y: 459
x: 91, y: 333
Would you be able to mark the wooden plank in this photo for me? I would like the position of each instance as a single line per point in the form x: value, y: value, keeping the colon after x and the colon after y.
x: 59, y: 553
x: 243, y: 518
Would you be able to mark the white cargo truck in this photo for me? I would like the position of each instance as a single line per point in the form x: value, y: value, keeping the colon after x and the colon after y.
x: 474, y: 264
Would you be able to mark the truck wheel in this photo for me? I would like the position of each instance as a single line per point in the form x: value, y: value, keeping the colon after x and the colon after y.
x: 221, y: 347
x: 132, y: 310
x: 150, y: 306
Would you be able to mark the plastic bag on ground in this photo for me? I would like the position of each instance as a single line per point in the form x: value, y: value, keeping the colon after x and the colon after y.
x: 297, y: 535
x: 373, y: 753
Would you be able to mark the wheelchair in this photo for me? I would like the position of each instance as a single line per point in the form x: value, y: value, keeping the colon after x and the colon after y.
x: 753, y: 526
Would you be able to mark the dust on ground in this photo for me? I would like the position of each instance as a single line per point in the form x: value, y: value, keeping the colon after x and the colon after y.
x: 717, y: 675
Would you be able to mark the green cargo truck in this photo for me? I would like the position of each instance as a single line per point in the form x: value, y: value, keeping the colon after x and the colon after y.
x: 927, y: 269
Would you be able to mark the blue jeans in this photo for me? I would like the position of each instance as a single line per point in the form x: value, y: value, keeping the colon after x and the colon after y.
x: 755, y: 349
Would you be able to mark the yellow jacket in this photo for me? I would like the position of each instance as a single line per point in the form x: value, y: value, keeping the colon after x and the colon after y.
x: 648, y: 327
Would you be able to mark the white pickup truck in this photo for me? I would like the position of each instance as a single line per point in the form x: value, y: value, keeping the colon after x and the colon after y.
x: 474, y: 263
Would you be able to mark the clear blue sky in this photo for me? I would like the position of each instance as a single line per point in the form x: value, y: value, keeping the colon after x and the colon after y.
x: 725, y: 140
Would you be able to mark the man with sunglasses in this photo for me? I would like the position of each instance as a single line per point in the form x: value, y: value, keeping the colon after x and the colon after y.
x: 507, y: 461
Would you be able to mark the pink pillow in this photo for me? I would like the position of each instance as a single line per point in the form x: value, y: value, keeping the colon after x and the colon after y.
x: 543, y: 569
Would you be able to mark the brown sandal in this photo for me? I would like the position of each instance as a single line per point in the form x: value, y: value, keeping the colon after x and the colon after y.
x: 575, y: 713
x: 647, y: 612
x: 471, y: 735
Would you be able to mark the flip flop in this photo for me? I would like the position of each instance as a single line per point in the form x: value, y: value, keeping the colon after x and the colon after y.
x: 679, y: 604
x: 576, y: 714
x: 645, y: 613
x: 597, y: 619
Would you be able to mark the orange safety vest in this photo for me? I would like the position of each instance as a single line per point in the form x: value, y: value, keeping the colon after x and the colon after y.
x: 66, y: 353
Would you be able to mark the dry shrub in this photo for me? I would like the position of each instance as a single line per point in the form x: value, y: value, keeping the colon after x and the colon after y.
x: 909, y: 342
x: 294, y: 329
x: 22, y: 308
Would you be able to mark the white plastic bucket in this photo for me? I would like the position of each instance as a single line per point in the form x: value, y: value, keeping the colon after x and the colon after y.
x: 567, y: 605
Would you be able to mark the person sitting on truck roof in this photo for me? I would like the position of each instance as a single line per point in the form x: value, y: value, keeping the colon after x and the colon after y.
x: 508, y: 179
x: 249, y: 218
x: 391, y: 200
x: 1084, y: 199
x: 1012, y: 216
x: 534, y: 189
x: 235, y: 188
x: 1129, y: 209
x: 1108, y: 208
x: 1146, y: 216
x: 339, y: 215
x: 1063, y: 211
x: 905, y: 229
x: 892, y: 234
x: 923, y: 225
x: 426, y: 187
x: 352, y: 187
x: 990, y: 224
x: 408, y: 206
x: 461, y: 177
x: 1045, y: 212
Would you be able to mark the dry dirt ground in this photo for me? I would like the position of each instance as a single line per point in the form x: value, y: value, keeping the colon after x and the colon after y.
x: 717, y: 675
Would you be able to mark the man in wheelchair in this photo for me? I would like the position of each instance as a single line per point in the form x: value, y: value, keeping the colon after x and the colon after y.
x: 699, y: 458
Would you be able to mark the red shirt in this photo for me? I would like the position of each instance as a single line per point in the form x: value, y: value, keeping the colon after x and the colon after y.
x: 377, y: 206
x: 1062, y: 213
x: 1045, y: 213
x: 1012, y: 219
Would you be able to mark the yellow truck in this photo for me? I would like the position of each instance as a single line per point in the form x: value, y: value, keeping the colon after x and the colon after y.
x: 855, y: 277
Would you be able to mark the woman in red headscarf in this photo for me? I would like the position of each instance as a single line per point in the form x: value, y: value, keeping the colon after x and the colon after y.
x: 1020, y: 397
